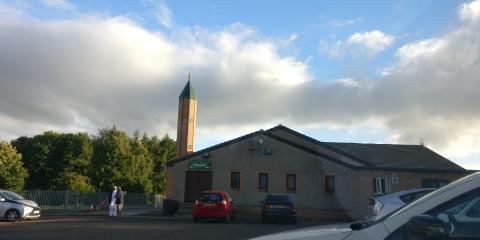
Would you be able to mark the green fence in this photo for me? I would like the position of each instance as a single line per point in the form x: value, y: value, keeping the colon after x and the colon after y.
x: 85, y: 200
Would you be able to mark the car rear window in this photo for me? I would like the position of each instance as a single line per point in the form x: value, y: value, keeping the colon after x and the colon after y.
x: 211, y: 197
x: 408, y: 198
x: 278, y: 199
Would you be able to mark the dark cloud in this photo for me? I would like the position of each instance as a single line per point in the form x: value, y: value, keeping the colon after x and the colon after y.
x: 97, y: 71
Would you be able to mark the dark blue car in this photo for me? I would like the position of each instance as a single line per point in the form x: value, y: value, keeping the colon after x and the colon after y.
x: 278, y: 207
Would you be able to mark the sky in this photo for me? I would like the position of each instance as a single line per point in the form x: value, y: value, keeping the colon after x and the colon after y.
x: 397, y: 72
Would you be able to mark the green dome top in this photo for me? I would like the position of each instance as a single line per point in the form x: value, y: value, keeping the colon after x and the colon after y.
x: 187, y: 92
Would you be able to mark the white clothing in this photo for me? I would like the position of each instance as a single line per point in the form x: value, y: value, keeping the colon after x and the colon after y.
x: 113, y: 206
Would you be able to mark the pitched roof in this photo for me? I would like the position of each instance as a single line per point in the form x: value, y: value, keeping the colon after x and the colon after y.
x: 385, y: 156
x: 187, y: 92
x: 354, y: 155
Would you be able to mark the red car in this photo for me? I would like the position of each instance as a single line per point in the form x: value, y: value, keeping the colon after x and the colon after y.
x: 214, y: 204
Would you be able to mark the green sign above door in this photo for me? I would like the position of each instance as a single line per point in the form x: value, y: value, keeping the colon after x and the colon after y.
x: 200, y: 164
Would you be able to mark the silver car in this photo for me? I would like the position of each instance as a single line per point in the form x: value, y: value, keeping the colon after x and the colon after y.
x: 382, y: 206
x: 14, y: 207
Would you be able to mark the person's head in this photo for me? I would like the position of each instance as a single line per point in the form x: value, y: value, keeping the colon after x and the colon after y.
x: 119, y: 188
x: 114, y: 188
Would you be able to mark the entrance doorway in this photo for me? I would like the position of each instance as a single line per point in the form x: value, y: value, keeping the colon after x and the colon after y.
x: 195, y: 183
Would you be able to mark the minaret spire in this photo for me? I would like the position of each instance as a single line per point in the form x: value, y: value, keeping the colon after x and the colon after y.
x: 187, y: 111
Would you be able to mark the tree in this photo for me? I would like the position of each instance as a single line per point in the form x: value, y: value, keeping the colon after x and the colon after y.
x: 120, y: 160
x: 52, y: 158
x: 12, y: 173
x: 160, y: 150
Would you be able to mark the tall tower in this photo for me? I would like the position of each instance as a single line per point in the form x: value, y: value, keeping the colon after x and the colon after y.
x: 187, y: 112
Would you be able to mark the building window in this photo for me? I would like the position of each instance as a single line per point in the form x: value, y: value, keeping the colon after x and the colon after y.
x: 263, y: 181
x: 235, y: 180
x: 291, y: 182
x: 381, y: 185
x: 433, y: 183
x: 329, y: 184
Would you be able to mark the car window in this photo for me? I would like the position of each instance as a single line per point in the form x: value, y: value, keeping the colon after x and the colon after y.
x: 456, y: 225
x: 277, y: 199
x: 453, y: 215
x: 407, y: 198
x: 410, y: 197
x: 211, y: 197
x: 474, y: 211
x: 12, y: 196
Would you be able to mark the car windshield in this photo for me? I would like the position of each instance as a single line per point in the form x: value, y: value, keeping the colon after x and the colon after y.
x: 211, y: 197
x: 11, y: 195
x: 277, y: 199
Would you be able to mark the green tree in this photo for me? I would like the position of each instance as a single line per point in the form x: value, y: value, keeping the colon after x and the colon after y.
x: 120, y: 160
x: 52, y: 158
x: 160, y: 150
x: 12, y: 173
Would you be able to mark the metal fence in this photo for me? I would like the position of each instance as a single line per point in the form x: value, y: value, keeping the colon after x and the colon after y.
x: 86, y: 200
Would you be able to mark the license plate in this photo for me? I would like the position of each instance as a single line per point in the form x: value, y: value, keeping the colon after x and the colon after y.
x: 209, y: 204
x: 36, y: 212
x: 278, y: 206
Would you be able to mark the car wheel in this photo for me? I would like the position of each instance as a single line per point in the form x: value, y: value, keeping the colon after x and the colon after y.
x: 12, y: 215
x: 195, y: 219
x: 228, y: 219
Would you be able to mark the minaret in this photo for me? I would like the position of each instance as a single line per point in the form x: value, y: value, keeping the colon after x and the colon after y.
x: 187, y: 111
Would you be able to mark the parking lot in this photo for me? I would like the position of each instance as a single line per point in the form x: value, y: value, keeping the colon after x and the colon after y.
x: 137, y: 227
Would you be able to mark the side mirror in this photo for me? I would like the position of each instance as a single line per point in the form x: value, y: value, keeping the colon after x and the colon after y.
x: 358, y: 226
x: 2, y: 199
x: 427, y: 227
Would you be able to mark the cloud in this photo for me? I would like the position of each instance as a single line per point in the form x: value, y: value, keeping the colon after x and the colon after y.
x: 163, y: 15
x: 360, y: 44
x: 57, y: 4
x: 95, y: 71
x: 470, y: 11
x: 343, y: 23
x: 98, y: 71
x: 370, y: 43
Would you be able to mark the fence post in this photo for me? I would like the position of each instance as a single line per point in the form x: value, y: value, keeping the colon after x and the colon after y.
x: 66, y: 199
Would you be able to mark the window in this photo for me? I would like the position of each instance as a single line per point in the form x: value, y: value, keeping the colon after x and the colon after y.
x: 434, y: 183
x: 263, y: 181
x: 410, y: 197
x: 210, y: 197
x: 380, y: 185
x: 291, y: 182
x: 235, y: 180
x: 329, y: 184
x: 455, y: 215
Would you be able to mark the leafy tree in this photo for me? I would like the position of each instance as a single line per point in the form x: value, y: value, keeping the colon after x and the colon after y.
x: 119, y: 160
x: 12, y: 173
x: 50, y: 157
x: 74, y: 181
x: 160, y: 150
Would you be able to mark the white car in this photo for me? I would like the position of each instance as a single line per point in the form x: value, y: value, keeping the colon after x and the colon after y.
x: 381, y: 206
x: 451, y: 212
x: 14, y: 207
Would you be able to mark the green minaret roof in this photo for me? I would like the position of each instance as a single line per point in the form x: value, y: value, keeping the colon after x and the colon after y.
x: 187, y: 92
